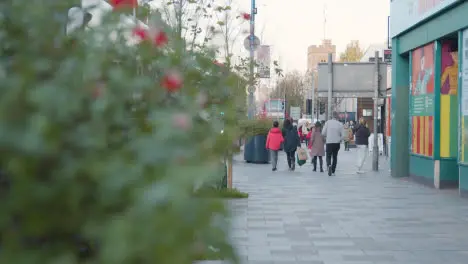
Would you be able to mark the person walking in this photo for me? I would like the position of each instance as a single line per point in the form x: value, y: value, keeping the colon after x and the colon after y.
x: 348, y: 133
x: 333, y: 133
x: 273, y: 143
x: 291, y: 143
x: 317, y: 146
x: 362, y: 134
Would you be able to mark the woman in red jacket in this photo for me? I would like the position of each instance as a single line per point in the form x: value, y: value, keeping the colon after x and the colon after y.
x: 273, y: 143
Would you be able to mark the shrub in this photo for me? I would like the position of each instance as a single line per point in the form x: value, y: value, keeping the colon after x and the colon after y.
x: 102, y: 142
x: 255, y: 127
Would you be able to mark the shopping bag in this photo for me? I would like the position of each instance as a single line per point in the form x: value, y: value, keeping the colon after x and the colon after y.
x: 301, y: 156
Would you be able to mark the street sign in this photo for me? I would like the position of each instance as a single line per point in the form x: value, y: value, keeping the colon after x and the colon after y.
x: 251, y: 89
x: 295, y: 112
x: 255, y: 44
x: 388, y: 56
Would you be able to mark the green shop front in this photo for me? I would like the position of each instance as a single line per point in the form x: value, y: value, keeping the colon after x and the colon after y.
x: 430, y: 92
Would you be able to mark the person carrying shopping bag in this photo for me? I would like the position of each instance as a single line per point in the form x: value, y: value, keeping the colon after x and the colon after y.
x: 273, y: 143
x: 291, y: 143
x: 317, y: 146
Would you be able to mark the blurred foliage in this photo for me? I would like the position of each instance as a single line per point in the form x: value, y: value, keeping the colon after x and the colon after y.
x: 95, y: 151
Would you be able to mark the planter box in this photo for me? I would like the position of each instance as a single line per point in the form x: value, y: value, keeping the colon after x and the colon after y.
x: 255, y: 151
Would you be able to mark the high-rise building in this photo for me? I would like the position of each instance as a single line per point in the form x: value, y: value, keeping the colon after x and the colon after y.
x: 319, y: 53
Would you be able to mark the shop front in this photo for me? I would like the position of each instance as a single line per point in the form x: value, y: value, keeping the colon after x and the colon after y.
x: 429, y: 111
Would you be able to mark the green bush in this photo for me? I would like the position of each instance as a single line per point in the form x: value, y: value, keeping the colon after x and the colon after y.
x: 255, y: 127
x: 98, y: 142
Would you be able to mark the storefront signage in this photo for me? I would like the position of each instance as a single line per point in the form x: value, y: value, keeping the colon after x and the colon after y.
x: 464, y: 81
x: 406, y: 13
x: 422, y: 105
x: 464, y: 103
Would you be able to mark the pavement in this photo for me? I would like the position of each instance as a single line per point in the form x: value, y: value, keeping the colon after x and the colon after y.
x: 307, y: 217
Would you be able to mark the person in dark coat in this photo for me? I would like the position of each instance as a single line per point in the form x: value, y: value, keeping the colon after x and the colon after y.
x: 361, y: 134
x: 291, y: 143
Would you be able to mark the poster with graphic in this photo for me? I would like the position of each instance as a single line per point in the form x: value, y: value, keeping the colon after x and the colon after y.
x: 464, y: 101
x: 422, y: 100
x: 449, y: 99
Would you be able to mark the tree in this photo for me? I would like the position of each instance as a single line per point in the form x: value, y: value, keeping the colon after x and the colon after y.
x: 293, y: 86
x: 352, y: 53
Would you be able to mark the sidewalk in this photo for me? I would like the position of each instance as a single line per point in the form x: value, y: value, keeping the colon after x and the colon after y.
x: 305, y: 217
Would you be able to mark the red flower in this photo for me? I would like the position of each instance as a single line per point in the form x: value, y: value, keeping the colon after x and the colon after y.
x: 160, y: 39
x: 218, y: 63
x: 140, y: 33
x: 246, y: 16
x: 172, y: 81
x: 122, y: 4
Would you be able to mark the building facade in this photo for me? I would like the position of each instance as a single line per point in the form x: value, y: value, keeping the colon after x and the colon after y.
x: 429, y: 109
x: 319, y: 53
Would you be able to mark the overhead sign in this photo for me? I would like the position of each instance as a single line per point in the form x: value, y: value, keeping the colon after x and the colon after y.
x: 407, y: 13
x: 351, y: 80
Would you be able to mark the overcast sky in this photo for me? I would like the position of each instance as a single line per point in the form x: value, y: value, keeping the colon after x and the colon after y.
x: 291, y: 26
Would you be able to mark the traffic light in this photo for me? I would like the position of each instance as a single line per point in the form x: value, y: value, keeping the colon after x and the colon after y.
x: 309, y: 106
x: 322, y: 108
x: 282, y: 105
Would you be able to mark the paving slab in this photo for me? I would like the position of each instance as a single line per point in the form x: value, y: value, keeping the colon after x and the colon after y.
x: 308, y: 217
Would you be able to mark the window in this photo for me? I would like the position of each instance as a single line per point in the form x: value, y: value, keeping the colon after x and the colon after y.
x: 366, y: 112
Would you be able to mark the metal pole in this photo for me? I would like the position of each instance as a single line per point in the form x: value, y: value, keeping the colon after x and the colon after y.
x: 312, y: 103
x: 330, y: 85
x: 375, y: 149
x: 251, y: 98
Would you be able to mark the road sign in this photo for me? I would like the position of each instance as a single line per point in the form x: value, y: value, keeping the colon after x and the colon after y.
x: 255, y: 44
x: 251, y: 89
x: 295, y: 112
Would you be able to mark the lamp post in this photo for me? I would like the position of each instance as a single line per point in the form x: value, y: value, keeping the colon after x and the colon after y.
x: 251, y: 90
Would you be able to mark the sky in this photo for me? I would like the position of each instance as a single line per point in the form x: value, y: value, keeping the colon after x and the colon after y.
x: 290, y: 26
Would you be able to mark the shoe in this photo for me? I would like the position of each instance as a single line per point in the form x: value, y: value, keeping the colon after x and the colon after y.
x: 274, y: 169
x: 321, y: 169
x: 360, y: 172
x: 314, y: 170
x: 329, y: 170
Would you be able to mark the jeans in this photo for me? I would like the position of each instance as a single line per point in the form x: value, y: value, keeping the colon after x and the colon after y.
x: 274, y: 158
x: 291, y: 156
x: 362, y: 152
x: 346, y: 145
x: 332, y: 153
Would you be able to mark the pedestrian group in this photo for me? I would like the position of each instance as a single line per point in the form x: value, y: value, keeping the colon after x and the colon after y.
x: 321, y: 140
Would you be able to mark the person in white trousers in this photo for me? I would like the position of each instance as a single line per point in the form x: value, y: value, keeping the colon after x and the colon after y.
x: 362, y: 134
